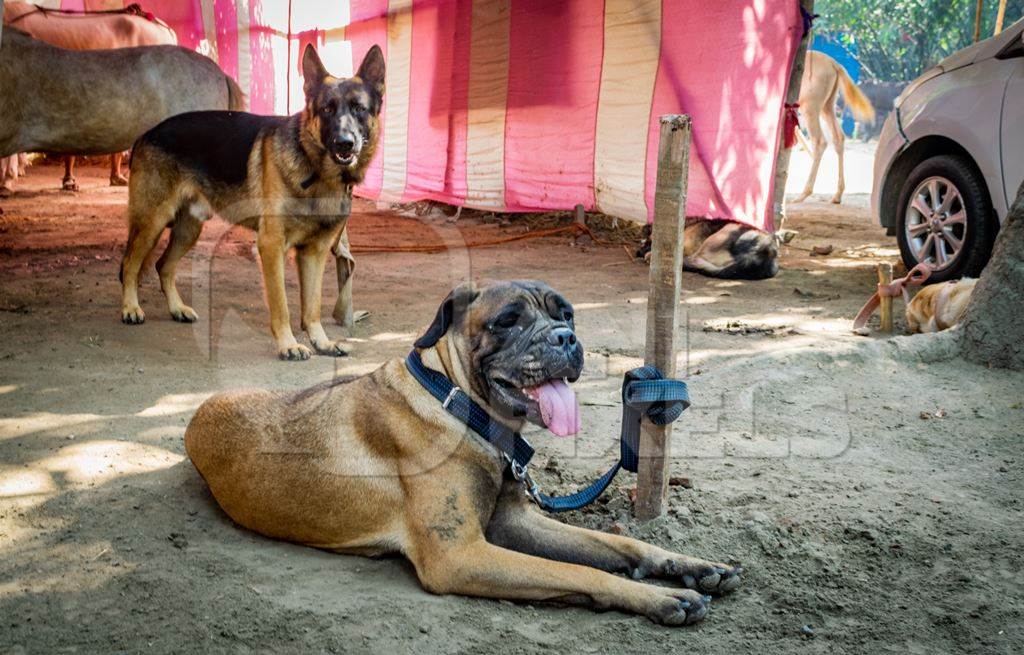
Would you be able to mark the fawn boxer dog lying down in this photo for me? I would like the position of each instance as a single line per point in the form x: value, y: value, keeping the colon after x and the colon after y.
x: 939, y: 307
x: 376, y: 465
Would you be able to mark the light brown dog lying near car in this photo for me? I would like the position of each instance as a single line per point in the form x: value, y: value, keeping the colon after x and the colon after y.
x: 938, y: 307
x: 376, y: 465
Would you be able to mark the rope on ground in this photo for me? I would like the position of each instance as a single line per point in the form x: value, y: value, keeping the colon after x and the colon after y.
x: 440, y: 247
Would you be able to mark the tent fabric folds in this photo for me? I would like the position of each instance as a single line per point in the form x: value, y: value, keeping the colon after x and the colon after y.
x: 530, y: 105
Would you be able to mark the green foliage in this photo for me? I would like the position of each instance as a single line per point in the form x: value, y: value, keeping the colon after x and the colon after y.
x: 898, y: 39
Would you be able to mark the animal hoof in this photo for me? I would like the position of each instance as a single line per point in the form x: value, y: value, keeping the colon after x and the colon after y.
x: 69, y: 185
x: 331, y: 349
x: 836, y: 201
x: 295, y: 353
x: 184, y: 315
x: 118, y: 180
x: 133, y: 316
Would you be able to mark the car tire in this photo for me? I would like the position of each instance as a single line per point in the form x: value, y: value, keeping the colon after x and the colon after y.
x: 974, y: 230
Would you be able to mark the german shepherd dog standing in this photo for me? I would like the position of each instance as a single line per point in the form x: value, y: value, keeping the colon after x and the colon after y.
x: 290, y: 178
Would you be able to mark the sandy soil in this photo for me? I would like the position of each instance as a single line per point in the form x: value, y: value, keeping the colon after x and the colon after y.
x: 871, y: 488
x: 858, y: 159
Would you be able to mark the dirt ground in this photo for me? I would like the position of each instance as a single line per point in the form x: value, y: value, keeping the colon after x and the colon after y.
x: 870, y: 487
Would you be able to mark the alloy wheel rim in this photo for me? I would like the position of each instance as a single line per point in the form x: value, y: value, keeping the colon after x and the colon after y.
x: 935, y: 223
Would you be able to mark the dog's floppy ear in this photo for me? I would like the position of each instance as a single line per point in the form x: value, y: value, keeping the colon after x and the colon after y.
x: 313, y: 71
x: 452, y: 308
x: 371, y: 72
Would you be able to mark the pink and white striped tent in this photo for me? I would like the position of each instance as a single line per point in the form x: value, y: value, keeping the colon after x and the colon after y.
x: 532, y: 104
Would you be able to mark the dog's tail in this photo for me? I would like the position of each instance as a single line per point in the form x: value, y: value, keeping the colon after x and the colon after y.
x: 236, y: 99
x: 854, y: 98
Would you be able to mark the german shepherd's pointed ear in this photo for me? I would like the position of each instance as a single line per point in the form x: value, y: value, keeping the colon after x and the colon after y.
x: 313, y: 71
x: 452, y: 309
x: 371, y: 72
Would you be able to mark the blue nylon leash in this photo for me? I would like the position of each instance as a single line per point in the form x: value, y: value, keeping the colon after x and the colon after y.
x: 645, y: 392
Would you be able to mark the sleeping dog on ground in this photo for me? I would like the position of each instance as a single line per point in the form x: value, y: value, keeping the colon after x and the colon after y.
x: 724, y: 249
x: 938, y: 307
x: 377, y: 465
x: 289, y: 178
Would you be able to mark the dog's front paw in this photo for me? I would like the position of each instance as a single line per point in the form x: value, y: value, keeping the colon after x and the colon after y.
x: 331, y: 349
x: 294, y: 353
x: 708, y: 577
x: 684, y: 607
x: 184, y: 314
x: 132, y: 315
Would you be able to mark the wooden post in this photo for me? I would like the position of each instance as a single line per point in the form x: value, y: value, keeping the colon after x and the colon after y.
x: 885, y: 306
x: 782, y: 155
x: 977, y: 21
x: 663, y: 303
x: 580, y: 219
x: 1000, y: 15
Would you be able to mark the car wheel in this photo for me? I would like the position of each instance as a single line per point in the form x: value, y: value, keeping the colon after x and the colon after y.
x: 945, y: 219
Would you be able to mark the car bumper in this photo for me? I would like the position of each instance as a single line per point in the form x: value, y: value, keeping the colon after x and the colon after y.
x: 890, y: 144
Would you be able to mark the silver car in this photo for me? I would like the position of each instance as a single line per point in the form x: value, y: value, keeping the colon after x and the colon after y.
x: 950, y: 157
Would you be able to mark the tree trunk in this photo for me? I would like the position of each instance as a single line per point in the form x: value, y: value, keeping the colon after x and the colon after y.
x: 993, y: 326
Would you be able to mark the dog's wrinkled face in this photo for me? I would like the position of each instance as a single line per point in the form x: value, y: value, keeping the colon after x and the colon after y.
x: 517, y: 341
x: 342, y: 114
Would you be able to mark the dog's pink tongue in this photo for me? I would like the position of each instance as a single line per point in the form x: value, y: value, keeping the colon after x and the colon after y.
x: 558, y: 407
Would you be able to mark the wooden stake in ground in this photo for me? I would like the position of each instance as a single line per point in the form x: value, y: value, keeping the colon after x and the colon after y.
x: 663, y: 303
x: 782, y: 155
x: 580, y: 219
x: 885, y: 302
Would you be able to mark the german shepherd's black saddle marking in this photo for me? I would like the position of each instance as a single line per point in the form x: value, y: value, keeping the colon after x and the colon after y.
x: 216, y: 144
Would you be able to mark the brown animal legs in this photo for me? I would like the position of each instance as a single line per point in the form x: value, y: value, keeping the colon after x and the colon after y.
x: 311, y: 260
x: 518, y: 527
x: 482, y: 569
x: 528, y: 556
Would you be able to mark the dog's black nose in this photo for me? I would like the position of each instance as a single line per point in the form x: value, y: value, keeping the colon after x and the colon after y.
x: 344, y: 144
x: 563, y: 337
